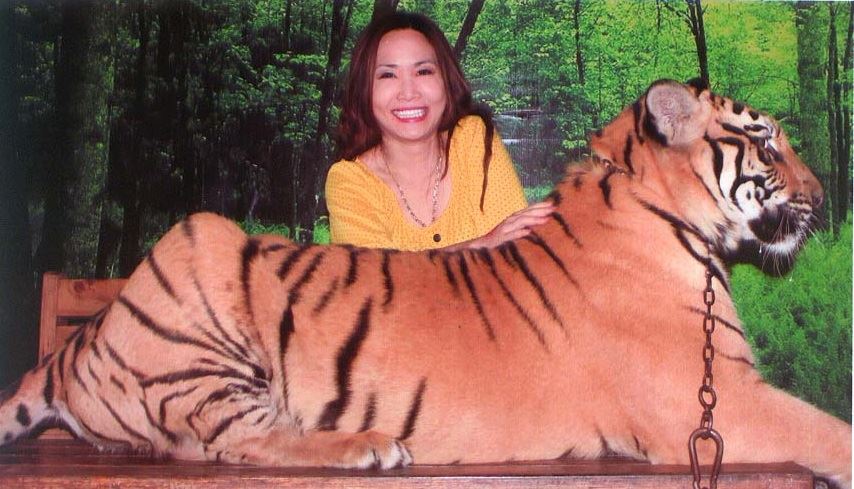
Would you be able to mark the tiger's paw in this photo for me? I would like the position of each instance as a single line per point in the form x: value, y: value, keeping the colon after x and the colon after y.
x: 372, y: 450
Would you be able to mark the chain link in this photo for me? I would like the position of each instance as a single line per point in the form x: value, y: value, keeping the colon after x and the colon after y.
x: 707, y: 395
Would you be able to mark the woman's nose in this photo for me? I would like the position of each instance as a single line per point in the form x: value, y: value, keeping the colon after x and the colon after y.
x: 408, y: 89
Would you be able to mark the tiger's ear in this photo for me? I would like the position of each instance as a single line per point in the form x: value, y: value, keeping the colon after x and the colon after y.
x: 677, y: 115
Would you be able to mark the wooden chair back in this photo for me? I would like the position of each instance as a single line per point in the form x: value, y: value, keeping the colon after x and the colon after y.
x: 68, y: 303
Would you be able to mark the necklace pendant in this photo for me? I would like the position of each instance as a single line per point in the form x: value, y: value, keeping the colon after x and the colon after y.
x: 434, y: 194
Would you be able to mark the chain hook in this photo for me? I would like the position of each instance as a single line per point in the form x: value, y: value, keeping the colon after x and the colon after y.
x: 707, y: 395
x: 705, y: 434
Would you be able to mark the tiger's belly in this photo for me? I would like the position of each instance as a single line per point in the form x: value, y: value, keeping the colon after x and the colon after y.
x: 448, y: 401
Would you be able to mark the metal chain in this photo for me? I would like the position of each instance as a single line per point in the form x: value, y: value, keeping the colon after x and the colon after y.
x: 708, y: 397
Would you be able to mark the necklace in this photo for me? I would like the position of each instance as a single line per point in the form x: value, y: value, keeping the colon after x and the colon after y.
x: 434, y: 194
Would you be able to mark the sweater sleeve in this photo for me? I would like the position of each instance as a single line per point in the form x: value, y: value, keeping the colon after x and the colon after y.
x: 354, y: 214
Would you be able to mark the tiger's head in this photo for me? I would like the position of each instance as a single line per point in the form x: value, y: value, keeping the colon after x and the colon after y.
x: 728, y: 169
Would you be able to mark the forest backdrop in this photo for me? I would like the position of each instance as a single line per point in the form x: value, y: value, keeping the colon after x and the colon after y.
x: 118, y: 118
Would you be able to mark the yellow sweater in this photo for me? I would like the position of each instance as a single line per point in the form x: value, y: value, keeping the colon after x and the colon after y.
x: 363, y: 210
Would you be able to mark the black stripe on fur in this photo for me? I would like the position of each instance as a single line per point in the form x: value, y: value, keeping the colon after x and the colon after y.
x: 566, y: 229
x: 449, y: 273
x: 161, y: 331
x: 234, y: 349
x: 247, y: 256
x: 464, y: 271
x: 227, y: 422
x: 680, y: 228
x: 353, y: 256
x: 326, y: 297
x: 534, y: 281
x: 387, y: 282
x: 414, y: 410
x: 289, y: 262
x: 344, y: 365
x: 286, y: 330
x: 294, y: 294
x: 490, y: 263
x: 161, y: 278
x: 370, y: 413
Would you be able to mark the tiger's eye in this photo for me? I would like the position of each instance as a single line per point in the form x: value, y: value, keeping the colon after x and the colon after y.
x: 437, y: 237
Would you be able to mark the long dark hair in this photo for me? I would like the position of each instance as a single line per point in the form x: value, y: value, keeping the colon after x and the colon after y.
x: 358, y: 130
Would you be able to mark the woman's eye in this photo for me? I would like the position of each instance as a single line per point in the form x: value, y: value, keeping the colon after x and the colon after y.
x: 425, y: 71
x: 386, y: 74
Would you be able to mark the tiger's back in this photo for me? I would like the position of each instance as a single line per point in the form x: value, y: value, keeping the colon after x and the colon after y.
x: 581, y: 339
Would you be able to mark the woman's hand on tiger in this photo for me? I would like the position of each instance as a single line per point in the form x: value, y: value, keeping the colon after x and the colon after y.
x: 515, y: 226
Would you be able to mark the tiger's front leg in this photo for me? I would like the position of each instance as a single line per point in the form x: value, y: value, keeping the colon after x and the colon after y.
x: 285, y: 446
x: 764, y: 424
x: 759, y: 424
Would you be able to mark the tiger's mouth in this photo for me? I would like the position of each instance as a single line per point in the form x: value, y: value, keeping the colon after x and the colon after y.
x: 779, y: 234
x: 780, y: 225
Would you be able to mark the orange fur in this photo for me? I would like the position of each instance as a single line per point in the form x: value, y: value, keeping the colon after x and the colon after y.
x: 581, y: 339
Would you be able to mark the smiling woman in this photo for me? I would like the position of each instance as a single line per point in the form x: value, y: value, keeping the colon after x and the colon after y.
x: 421, y: 164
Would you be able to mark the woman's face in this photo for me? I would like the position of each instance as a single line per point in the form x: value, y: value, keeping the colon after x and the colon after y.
x: 408, y: 96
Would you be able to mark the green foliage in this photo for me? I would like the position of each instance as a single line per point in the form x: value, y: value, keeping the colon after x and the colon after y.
x: 537, y: 194
x: 255, y: 227
x: 800, y: 325
x: 320, y: 233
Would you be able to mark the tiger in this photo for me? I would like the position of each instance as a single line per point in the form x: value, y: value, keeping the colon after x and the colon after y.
x: 581, y: 339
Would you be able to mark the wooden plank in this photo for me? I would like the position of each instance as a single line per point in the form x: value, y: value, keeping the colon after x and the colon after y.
x: 55, y: 464
x: 47, y: 320
x: 85, y: 297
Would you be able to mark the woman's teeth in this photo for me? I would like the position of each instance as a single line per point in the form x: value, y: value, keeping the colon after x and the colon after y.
x: 409, y: 113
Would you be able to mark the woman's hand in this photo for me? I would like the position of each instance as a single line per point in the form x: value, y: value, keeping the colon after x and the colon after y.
x: 517, y: 225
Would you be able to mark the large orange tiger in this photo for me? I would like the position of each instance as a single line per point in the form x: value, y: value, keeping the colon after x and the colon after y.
x: 583, y: 338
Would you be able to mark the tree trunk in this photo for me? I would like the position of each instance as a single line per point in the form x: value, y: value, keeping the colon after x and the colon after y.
x: 576, y: 25
x: 84, y: 80
x: 811, y: 92
x: 843, y: 176
x: 834, y: 120
x: 468, y: 27
x: 314, y: 160
x: 17, y: 318
x: 286, y: 28
x: 695, y: 15
x: 281, y: 193
x: 133, y: 167
x: 174, y: 27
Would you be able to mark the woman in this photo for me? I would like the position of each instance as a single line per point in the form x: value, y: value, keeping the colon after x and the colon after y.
x: 421, y: 166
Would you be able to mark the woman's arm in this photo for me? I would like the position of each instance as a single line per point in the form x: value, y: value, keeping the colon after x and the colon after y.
x: 515, y: 226
x: 505, y: 209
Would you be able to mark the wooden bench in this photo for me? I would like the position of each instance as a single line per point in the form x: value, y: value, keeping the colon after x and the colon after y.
x: 56, y: 460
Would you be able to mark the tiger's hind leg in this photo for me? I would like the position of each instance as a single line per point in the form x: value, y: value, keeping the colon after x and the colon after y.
x: 286, y: 446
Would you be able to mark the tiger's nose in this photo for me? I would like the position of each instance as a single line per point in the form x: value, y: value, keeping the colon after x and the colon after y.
x: 811, y: 187
x: 817, y: 198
